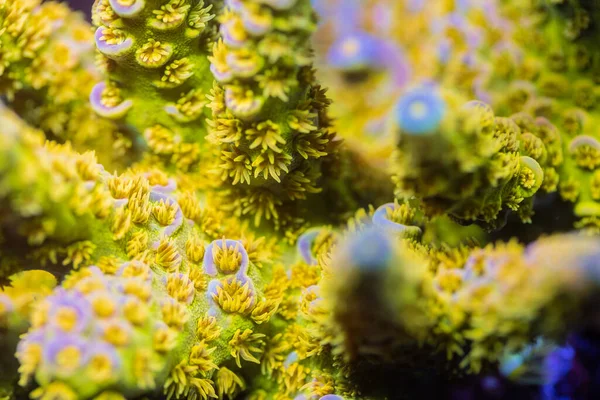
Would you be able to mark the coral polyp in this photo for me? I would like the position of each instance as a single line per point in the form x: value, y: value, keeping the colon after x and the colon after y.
x: 299, y: 200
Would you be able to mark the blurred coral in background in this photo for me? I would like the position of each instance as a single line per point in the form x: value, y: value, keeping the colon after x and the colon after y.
x: 299, y: 200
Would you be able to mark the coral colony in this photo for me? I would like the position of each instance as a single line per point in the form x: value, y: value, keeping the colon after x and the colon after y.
x: 296, y: 200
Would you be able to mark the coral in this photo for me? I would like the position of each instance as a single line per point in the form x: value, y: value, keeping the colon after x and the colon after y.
x: 559, y: 49
x: 476, y: 165
x: 188, y: 213
x: 46, y: 71
x: 269, y: 125
x: 165, y: 46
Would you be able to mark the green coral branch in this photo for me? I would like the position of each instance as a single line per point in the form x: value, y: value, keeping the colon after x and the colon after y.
x: 165, y: 46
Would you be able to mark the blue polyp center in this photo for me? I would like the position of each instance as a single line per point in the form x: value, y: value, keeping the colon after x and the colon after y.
x: 355, y: 51
x: 420, y: 111
x: 370, y: 251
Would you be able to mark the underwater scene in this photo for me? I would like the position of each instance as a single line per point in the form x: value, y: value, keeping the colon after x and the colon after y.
x: 300, y: 199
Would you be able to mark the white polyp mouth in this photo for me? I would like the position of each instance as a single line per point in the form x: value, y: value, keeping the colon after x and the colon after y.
x: 418, y: 110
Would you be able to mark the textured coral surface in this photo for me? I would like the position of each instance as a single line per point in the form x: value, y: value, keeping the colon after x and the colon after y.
x: 300, y: 200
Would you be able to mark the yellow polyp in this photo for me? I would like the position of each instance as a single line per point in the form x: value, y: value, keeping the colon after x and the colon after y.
x: 305, y: 303
x: 54, y: 391
x: 235, y: 165
x: 87, y: 166
x: 75, y: 277
x: 275, y: 289
x: 170, y: 15
x: 288, y: 308
x: 190, y: 207
x: 264, y: 310
x: 200, y: 356
x: 259, y: 250
x: 244, y: 344
x: 138, y: 243
x: 160, y: 140
x: 138, y: 288
x: 294, y: 376
x: 153, y: 54
x: 116, y: 335
x: 66, y: 318
x: 136, y: 312
x: 187, y: 155
x: 266, y: 135
x: 324, y: 241
x: 164, y: 340
x: 178, y: 380
x: 227, y: 258
x: 478, y: 260
x: 199, y: 17
x: 449, y: 280
x: 401, y: 214
x: 274, y: 354
x: 204, y: 388
x: 167, y: 255
x: 271, y: 164
x: 121, y: 223
x: 29, y: 359
x: 175, y: 315
x: 527, y: 178
x: 194, y: 248
x: 180, y: 287
x: 224, y: 130
x: 191, y: 104
x: 199, y: 279
x: 120, y: 186
x: 89, y: 285
x: 301, y: 120
x: 277, y: 82
x: 322, y: 384
x: 207, y: 328
x: 587, y: 157
x: 100, y: 368
x: 143, y: 369
x: 165, y: 211
x: 103, y: 306
x: 136, y: 269
x: 156, y: 176
x: 569, y: 189
x: 237, y: 31
x: 110, y: 395
x: 68, y: 359
x: 100, y: 203
x: 234, y: 297
x: 178, y: 72
x: 304, y: 275
x: 108, y: 265
x: 219, y: 57
x: 39, y: 315
x: 139, y: 206
x: 228, y: 384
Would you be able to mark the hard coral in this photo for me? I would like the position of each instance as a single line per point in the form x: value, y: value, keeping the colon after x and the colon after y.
x: 249, y: 242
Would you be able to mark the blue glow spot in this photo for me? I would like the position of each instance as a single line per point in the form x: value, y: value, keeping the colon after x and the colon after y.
x: 357, y: 50
x: 420, y: 111
x: 557, y: 366
x: 370, y: 250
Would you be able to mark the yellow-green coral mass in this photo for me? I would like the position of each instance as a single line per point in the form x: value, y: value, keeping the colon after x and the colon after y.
x: 299, y: 200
